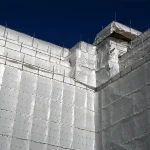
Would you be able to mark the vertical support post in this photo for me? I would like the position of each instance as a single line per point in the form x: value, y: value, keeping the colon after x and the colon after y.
x: 130, y: 32
x: 33, y: 39
x: 143, y: 49
x: 5, y: 29
x: 36, y: 50
x: 53, y: 72
x: 18, y: 39
x: 6, y: 58
x: 64, y: 76
x: 87, y: 45
x: 62, y: 53
x: 5, y: 40
x: 60, y: 58
x: 23, y: 61
x: 48, y: 49
x: 21, y: 47
x: 50, y: 55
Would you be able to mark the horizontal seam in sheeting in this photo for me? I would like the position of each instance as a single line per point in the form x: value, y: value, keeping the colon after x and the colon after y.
x: 136, y: 138
x: 34, y: 67
x: 49, y: 77
x: 124, y: 96
x: 36, y: 141
x: 47, y: 120
x: 28, y: 45
x: 37, y: 57
x: 124, y: 118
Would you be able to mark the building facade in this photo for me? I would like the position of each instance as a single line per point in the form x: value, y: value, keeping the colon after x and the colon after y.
x: 90, y: 97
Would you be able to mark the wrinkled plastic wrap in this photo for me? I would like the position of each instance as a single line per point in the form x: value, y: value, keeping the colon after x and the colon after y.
x: 83, y: 60
x: 119, y: 29
x: 107, y: 59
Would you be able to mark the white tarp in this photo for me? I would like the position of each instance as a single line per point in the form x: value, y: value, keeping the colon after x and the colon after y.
x: 83, y: 60
x: 108, y: 59
x: 49, y: 99
x: 118, y: 28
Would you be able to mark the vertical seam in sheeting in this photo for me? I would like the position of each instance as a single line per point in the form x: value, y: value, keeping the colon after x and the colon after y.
x: 16, y: 105
x: 49, y: 112
x: 32, y: 113
x: 61, y: 102
x: 73, y: 116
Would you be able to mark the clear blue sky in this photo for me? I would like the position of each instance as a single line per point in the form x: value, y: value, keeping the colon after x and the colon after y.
x: 65, y: 21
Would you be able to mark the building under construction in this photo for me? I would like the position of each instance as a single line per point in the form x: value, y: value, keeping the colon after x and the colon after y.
x: 90, y: 97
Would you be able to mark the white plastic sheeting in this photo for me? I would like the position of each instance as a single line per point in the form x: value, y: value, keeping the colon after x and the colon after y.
x: 108, y: 54
x: 41, y: 107
x: 32, y: 42
x: 125, y: 111
x: 38, y: 113
x: 139, y: 39
x: 118, y: 28
x: 33, y: 58
x: 139, y: 47
x: 49, y: 99
x: 83, y: 60
x: 125, y: 103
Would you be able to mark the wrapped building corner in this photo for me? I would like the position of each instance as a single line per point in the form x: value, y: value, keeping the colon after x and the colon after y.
x: 91, y: 97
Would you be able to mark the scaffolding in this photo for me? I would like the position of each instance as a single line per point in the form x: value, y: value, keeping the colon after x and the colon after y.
x: 53, y: 98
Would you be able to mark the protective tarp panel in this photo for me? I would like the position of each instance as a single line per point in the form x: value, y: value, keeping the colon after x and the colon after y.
x: 28, y: 41
x: 37, y: 112
x: 115, y: 27
x: 125, y: 111
x: 108, y: 62
x: 5, y: 142
x: 83, y: 60
x: 138, y: 48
